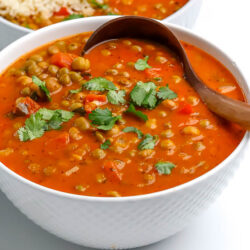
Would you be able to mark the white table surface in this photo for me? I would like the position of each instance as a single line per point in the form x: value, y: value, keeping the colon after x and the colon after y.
x: 225, y: 225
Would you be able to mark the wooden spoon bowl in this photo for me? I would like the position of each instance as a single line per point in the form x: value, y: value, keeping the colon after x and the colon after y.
x: 149, y: 29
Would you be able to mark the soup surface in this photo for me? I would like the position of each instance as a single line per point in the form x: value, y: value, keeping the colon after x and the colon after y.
x: 120, y: 121
x: 40, y: 13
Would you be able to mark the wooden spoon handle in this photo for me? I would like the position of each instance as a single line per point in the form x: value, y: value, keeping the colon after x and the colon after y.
x: 228, y: 108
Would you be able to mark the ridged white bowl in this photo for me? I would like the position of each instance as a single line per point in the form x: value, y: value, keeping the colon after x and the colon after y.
x: 186, y: 17
x: 123, y: 222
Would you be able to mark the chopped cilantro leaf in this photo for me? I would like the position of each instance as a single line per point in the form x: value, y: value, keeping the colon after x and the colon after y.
x: 166, y: 93
x: 142, y: 64
x: 43, y: 120
x: 116, y: 97
x: 76, y: 91
x: 144, y: 95
x: 99, y: 84
x: 99, y: 5
x: 135, y: 130
x: 42, y: 86
x: 103, y: 118
x: 106, y: 144
x: 131, y: 109
x: 148, y: 142
x: 73, y: 16
x: 164, y: 167
x: 34, y: 128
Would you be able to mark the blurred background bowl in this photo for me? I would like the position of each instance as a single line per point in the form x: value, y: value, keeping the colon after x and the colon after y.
x: 186, y: 16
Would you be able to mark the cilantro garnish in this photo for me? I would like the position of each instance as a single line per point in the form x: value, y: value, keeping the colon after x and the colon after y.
x: 144, y: 95
x: 43, y: 120
x: 116, y: 97
x: 42, y: 86
x: 166, y: 93
x: 131, y: 109
x: 75, y: 91
x: 103, y: 118
x: 148, y: 142
x: 164, y: 167
x: 73, y: 16
x: 134, y: 130
x: 142, y: 64
x: 106, y: 144
x: 99, y: 5
x: 99, y: 84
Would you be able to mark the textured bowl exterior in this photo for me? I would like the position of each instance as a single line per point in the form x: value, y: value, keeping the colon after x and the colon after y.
x: 124, y: 222
x: 186, y: 17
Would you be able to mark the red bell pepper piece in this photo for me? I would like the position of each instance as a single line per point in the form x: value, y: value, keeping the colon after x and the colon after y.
x: 153, y: 72
x: 62, y: 12
x: 186, y: 109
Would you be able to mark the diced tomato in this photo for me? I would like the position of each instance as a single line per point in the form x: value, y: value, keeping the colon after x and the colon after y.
x: 89, y: 107
x: 186, y: 109
x: 92, y: 97
x: 111, y: 171
x: 63, y: 59
x: 58, y: 142
x: 62, y: 12
x: 153, y: 72
x: 26, y: 106
x: 93, y: 101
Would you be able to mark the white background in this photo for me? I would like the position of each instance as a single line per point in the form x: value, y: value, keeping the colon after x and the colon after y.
x: 225, y: 225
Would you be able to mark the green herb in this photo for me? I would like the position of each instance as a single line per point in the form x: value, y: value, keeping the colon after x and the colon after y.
x: 76, y: 91
x: 27, y: 26
x: 106, y: 144
x: 99, y: 5
x: 112, y: 14
x: 34, y: 128
x: 131, y: 109
x: 148, y: 142
x: 142, y: 64
x: 42, y: 86
x: 43, y: 120
x: 134, y: 130
x: 99, y: 84
x: 103, y: 118
x: 73, y: 16
x: 164, y: 167
x: 158, y: 79
x: 116, y: 97
x: 166, y: 93
x: 144, y: 95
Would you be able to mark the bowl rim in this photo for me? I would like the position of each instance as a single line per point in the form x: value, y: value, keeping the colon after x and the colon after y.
x: 179, y: 12
x: 189, y: 184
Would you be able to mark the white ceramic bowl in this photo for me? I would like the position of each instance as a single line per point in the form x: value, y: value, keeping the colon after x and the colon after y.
x: 186, y: 17
x: 123, y: 222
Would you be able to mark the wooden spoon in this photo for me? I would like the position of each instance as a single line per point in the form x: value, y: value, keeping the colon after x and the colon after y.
x: 149, y: 29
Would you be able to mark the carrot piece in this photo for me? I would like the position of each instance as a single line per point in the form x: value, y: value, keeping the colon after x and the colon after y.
x: 111, y: 171
x: 92, y: 101
x: 62, y: 12
x: 26, y: 106
x: 153, y: 72
x: 92, y: 98
x: 89, y: 107
x: 186, y: 109
x: 63, y: 59
x: 58, y: 142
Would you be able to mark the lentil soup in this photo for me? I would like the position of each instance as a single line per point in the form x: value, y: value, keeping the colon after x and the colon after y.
x: 119, y: 121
